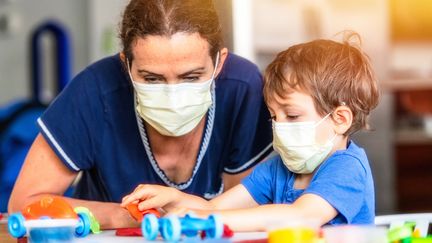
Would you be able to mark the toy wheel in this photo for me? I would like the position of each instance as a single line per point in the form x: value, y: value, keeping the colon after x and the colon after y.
x: 216, y: 231
x: 83, y: 227
x: 150, y: 227
x: 171, y: 228
x: 16, y: 225
x: 191, y: 214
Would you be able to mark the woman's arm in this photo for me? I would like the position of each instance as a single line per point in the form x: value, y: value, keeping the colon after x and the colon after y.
x: 232, y: 180
x: 44, y: 174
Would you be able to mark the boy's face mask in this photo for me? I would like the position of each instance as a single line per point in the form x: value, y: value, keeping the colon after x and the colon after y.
x: 174, y: 109
x: 296, y: 144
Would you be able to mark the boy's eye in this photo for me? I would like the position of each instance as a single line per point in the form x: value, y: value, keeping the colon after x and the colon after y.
x: 292, y: 117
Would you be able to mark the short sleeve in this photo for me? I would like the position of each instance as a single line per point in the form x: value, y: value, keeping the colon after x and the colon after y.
x: 341, y: 181
x: 73, y: 122
x: 252, y: 136
x: 260, y: 182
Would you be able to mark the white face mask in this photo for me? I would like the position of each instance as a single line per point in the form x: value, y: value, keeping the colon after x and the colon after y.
x: 296, y: 144
x: 174, y: 109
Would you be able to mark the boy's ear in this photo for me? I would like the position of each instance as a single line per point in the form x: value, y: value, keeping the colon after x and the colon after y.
x: 343, y: 118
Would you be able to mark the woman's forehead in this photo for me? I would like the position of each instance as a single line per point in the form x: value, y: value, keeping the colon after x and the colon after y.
x: 175, y: 49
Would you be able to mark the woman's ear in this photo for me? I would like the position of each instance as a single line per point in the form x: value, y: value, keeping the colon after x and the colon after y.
x: 342, y: 118
x: 123, y: 57
x: 223, y: 54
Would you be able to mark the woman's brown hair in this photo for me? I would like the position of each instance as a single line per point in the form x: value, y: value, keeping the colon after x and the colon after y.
x: 167, y: 17
x: 332, y: 73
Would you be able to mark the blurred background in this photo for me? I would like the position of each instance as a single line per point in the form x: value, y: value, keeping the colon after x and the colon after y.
x: 397, y: 35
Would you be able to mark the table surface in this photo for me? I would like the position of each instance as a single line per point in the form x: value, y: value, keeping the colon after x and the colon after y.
x: 108, y: 236
x: 4, y: 234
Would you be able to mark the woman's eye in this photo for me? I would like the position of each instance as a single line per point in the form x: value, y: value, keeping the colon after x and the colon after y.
x: 190, y: 79
x: 153, y: 80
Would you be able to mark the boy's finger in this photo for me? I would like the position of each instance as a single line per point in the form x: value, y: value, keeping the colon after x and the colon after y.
x: 149, y: 203
x: 140, y: 195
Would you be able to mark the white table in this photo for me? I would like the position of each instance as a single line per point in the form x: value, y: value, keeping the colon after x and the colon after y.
x: 110, y: 237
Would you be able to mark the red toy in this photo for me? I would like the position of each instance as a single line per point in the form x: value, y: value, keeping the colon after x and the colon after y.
x: 129, y: 232
x: 53, y: 207
x: 139, y: 215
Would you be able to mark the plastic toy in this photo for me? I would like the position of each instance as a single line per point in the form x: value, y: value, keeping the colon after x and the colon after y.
x: 94, y: 224
x: 294, y: 235
x: 172, y: 227
x: 49, y: 217
x: 138, y: 214
x: 407, y: 234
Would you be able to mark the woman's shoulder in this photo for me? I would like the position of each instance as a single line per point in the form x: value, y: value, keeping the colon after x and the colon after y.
x: 239, y: 68
x: 107, y: 74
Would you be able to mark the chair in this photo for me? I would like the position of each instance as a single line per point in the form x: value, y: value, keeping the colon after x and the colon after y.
x: 422, y: 221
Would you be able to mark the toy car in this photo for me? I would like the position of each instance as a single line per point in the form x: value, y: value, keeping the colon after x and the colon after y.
x: 49, y: 217
x: 172, y: 227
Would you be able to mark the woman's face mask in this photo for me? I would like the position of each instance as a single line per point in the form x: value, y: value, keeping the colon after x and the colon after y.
x: 174, y: 109
x: 296, y: 144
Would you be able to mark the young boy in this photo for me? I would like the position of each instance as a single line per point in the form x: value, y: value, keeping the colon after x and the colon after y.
x: 318, y: 93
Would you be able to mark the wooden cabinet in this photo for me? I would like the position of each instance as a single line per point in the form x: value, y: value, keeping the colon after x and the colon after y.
x: 413, y: 146
x: 414, y: 177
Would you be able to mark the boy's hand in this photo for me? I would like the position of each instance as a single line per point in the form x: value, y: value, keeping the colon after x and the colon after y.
x: 152, y: 196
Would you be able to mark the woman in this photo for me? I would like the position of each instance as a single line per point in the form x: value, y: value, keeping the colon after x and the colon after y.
x: 173, y: 108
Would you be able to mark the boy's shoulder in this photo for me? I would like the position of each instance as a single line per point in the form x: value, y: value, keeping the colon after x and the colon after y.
x: 348, y: 158
x: 353, y: 150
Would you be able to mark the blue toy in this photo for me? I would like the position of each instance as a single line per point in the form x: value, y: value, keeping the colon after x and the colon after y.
x: 49, y: 218
x: 48, y: 229
x: 172, y: 227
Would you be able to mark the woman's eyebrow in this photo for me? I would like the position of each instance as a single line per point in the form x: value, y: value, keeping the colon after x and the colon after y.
x: 143, y: 71
x: 199, y: 69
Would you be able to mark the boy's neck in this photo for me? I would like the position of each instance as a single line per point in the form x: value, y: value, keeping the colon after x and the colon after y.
x: 302, y: 181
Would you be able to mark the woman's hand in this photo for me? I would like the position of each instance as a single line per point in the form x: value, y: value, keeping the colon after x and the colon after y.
x: 153, y: 196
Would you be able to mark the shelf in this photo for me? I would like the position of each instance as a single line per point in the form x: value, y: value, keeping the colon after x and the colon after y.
x: 407, y: 84
x: 410, y: 136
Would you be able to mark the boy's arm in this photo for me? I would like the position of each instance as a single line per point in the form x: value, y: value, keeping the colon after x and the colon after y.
x: 169, y: 199
x: 309, y: 207
x: 173, y: 200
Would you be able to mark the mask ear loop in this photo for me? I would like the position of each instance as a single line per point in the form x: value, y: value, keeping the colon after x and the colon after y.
x: 214, y: 71
x: 325, y: 117
x: 129, y: 71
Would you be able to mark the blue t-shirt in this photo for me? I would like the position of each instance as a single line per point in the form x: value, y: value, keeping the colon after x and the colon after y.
x: 344, y: 180
x: 92, y: 126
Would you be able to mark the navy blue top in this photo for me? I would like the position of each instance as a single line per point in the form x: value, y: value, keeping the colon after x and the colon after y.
x: 344, y: 180
x: 92, y: 126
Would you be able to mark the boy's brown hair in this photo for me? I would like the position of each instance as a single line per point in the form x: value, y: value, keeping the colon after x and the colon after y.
x: 332, y: 73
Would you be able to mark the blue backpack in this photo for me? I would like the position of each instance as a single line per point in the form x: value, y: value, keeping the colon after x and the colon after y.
x: 18, y: 126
